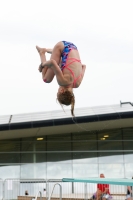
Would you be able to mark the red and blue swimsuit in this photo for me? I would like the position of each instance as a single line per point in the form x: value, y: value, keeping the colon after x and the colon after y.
x: 68, y: 46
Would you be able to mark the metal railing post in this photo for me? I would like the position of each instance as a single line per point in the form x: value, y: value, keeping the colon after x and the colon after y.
x: 85, y: 189
x: 47, y: 191
x: 53, y: 190
x: 40, y: 195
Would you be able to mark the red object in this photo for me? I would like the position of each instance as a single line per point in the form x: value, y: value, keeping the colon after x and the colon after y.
x: 102, y: 187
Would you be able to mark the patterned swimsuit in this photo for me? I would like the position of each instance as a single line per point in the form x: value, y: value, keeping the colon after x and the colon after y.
x: 64, y: 55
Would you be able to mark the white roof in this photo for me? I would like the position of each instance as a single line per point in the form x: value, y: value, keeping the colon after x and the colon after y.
x: 60, y: 114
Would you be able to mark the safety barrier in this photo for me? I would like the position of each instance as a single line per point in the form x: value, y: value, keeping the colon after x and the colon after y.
x: 23, y: 188
x: 15, y: 189
x: 1, y: 189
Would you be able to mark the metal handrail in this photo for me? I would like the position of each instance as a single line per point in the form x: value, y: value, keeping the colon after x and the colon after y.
x: 126, y: 103
x: 53, y: 190
x: 47, y: 186
x: 40, y: 195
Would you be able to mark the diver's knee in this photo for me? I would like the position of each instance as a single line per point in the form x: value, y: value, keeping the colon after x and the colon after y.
x: 46, y: 80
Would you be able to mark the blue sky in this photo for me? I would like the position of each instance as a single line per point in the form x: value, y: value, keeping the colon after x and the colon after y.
x: 102, y: 31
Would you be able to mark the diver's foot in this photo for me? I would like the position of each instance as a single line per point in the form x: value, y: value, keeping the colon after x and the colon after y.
x: 48, y: 64
x: 41, y: 50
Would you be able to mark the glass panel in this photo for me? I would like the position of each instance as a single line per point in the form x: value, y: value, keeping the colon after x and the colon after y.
x: 10, y: 146
x: 129, y: 170
x: 110, y: 135
x: 31, y: 171
x: 35, y: 145
x: 112, y: 170
x: 59, y: 170
x: 31, y: 144
x: 110, y: 145
x: 59, y: 146
x: 33, y: 157
x: 85, y: 170
x: 40, y: 145
x: 9, y: 158
x: 40, y: 170
x: 88, y: 135
x: 128, y: 145
x: 128, y: 133
x: 85, y: 157
x: 84, y: 145
x: 28, y: 157
x: 64, y: 137
x: 60, y: 151
x: 60, y: 157
x: 128, y: 157
x: 107, y: 157
x: 9, y: 171
x: 27, y: 146
x: 40, y: 157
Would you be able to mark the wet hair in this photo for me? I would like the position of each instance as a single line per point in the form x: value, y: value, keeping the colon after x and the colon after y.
x: 67, y: 98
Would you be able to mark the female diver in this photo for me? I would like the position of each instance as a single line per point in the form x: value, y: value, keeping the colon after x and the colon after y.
x: 66, y: 65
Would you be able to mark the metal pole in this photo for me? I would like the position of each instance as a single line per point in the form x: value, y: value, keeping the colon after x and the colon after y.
x: 85, y: 189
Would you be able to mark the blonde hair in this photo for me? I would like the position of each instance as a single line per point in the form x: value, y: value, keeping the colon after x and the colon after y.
x: 67, y: 98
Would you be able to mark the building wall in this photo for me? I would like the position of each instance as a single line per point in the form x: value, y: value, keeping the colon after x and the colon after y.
x: 82, y: 154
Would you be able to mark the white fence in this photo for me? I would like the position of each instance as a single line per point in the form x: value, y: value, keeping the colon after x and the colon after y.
x: 1, y: 189
x: 14, y: 189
